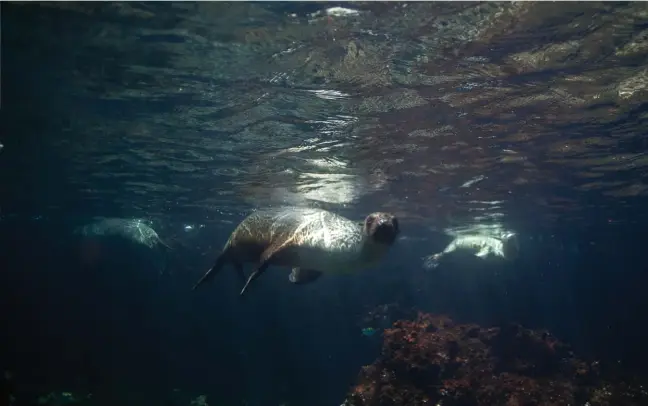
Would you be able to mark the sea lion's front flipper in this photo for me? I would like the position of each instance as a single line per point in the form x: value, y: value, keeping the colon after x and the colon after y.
x: 300, y: 276
x: 264, y: 261
x: 432, y: 261
x: 257, y: 272
x: 164, y: 244
x: 483, y: 253
x: 220, y: 261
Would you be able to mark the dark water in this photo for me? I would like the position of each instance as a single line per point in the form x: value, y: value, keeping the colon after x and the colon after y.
x: 523, y: 116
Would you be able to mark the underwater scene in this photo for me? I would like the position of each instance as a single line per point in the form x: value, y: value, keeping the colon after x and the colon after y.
x: 324, y: 204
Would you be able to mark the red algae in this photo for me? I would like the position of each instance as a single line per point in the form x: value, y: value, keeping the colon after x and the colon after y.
x: 433, y: 361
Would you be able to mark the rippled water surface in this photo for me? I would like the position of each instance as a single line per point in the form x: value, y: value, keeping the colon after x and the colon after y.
x: 521, y: 115
x: 443, y: 112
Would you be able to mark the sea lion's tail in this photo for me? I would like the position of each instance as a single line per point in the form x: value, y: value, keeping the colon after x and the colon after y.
x: 220, y: 261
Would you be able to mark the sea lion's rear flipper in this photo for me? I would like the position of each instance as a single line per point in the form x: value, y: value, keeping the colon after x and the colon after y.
x: 220, y: 261
x: 300, y: 276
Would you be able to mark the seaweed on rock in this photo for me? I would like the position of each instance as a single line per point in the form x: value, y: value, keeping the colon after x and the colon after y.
x: 433, y: 361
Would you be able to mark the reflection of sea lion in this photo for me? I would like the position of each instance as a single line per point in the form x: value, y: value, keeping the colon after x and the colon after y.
x: 310, y: 241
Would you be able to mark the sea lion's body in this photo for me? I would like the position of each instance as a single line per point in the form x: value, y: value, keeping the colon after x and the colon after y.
x: 482, y: 246
x: 134, y: 230
x: 124, y: 237
x: 310, y: 241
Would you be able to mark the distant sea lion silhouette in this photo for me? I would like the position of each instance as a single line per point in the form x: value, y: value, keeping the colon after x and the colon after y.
x: 135, y: 230
x: 310, y: 241
x: 136, y: 233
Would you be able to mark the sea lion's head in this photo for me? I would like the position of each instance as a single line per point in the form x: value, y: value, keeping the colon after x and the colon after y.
x: 510, y: 245
x: 381, y: 228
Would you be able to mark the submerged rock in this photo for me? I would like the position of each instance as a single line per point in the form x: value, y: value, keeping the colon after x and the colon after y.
x: 433, y: 361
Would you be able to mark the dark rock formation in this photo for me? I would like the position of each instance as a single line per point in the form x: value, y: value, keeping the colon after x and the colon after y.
x: 433, y: 361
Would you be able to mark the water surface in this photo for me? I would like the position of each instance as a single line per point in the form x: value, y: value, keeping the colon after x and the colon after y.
x: 529, y: 116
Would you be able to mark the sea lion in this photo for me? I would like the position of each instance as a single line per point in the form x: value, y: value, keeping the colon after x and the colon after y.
x: 310, y: 241
x: 134, y: 230
x: 129, y: 237
x: 505, y: 246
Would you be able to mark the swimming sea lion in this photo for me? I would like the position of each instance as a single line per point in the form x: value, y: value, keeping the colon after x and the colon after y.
x: 310, y: 241
x: 109, y: 234
x: 134, y: 230
x: 505, y: 246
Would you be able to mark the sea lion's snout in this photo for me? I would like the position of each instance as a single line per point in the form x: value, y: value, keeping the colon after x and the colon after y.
x: 382, y: 227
